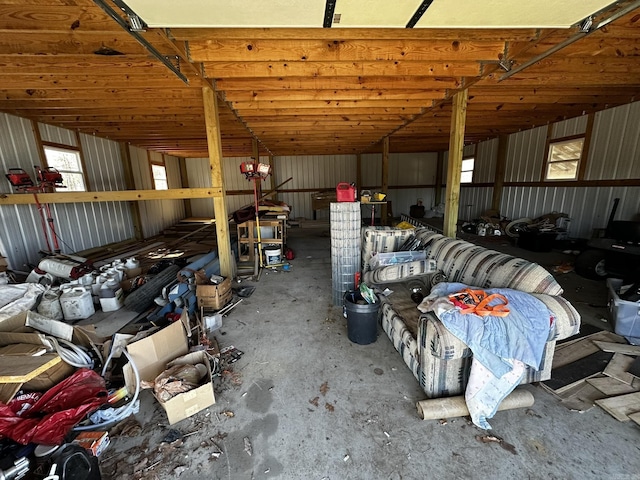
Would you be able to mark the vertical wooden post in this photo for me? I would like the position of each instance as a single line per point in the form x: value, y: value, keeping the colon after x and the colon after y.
x: 358, y: 174
x: 498, y: 179
x: 184, y: 181
x: 125, y: 156
x: 385, y: 178
x: 439, y: 168
x: 214, y: 143
x: 454, y: 164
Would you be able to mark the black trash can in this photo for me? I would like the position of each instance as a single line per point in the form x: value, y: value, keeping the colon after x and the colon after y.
x: 362, y: 318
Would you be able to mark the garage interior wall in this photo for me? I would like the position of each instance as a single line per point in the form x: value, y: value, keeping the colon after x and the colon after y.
x: 614, y: 155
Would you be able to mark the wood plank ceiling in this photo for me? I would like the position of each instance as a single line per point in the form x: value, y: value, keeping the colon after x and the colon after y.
x: 303, y: 90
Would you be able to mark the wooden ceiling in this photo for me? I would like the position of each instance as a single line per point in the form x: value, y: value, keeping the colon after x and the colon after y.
x: 303, y: 91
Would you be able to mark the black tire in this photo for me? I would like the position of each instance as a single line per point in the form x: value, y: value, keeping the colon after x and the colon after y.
x: 142, y: 298
x: 591, y: 264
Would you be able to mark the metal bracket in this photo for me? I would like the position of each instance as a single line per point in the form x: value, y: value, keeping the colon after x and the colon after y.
x: 585, y: 26
x: 175, y: 59
x: 136, y: 23
x: 506, y: 64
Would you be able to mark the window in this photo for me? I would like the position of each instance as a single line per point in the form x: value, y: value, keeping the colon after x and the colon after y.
x: 466, y: 176
x: 159, y: 176
x: 564, y: 159
x: 68, y: 163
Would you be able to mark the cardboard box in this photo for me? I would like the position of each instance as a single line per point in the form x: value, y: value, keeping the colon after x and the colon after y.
x: 214, y: 296
x: 94, y: 442
x: 34, y: 373
x: 154, y: 354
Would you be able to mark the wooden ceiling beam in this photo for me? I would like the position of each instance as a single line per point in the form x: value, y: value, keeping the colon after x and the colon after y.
x: 67, y: 43
x: 141, y: 94
x: 319, y: 104
x: 84, y: 80
x: 285, y: 112
x: 344, y: 50
x: 80, y: 64
x: 54, y: 18
x: 477, y: 34
x: 391, y: 82
x: 351, y: 94
x: 339, y: 69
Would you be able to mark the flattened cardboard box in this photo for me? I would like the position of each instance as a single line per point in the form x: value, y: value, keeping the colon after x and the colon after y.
x: 17, y: 333
x: 153, y: 354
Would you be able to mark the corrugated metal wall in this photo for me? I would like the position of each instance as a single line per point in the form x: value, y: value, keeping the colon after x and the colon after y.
x: 156, y: 215
x: 79, y: 226
x: 566, y: 128
x: 615, y: 144
x: 484, y: 169
x: 525, y: 151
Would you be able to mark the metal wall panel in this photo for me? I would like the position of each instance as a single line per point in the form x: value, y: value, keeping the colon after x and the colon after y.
x: 371, y: 165
x: 566, y: 128
x: 156, y: 215
x: 484, y: 168
x: 79, y: 226
x: 62, y: 136
x: 105, y: 171
x: 525, y: 155
x: 588, y: 207
x: 474, y: 201
x: 615, y: 144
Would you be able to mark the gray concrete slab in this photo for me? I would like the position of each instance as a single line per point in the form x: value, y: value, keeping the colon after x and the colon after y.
x: 313, y: 405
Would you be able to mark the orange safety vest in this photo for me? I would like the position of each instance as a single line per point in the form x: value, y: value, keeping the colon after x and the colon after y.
x: 477, y: 301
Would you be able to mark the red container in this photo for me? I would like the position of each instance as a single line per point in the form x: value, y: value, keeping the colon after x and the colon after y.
x: 345, y: 192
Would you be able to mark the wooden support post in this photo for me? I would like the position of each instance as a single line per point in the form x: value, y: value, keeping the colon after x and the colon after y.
x: 498, y: 180
x: 184, y: 179
x: 358, y: 174
x: 214, y: 144
x: 454, y: 164
x: 439, y: 169
x: 125, y: 156
x: 385, y: 179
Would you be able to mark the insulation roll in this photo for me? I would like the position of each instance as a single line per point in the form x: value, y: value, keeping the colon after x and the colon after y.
x: 435, y: 408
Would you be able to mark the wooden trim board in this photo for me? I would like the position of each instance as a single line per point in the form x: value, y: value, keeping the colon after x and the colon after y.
x: 611, y: 386
x: 618, y: 366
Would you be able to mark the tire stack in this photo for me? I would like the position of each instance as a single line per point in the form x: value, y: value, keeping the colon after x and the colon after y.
x: 345, y: 248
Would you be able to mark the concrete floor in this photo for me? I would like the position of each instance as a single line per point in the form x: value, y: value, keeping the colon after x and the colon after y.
x: 313, y: 405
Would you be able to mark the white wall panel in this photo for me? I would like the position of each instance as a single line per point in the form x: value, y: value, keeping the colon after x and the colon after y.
x: 79, y: 226
x: 588, y: 207
x: 474, y: 201
x: 525, y: 155
x: 566, y: 128
x: 52, y: 134
x: 371, y: 165
x: 615, y: 144
x: 484, y: 169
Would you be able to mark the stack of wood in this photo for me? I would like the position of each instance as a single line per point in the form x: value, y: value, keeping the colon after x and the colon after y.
x: 598, y: 369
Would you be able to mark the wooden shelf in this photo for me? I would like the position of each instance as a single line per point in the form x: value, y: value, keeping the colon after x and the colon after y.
x: 248, y: 236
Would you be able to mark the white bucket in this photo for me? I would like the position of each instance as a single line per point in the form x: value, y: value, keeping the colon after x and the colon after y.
x: 50, y: 305
x: 77, y: 304
x: 272, y: 256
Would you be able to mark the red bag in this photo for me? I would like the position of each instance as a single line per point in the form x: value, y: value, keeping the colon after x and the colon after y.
x: 57, y: 411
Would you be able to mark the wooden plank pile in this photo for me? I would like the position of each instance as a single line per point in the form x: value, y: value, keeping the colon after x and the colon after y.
x: 598, y: 369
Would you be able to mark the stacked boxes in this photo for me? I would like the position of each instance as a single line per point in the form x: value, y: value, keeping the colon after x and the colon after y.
x: 345, y: 248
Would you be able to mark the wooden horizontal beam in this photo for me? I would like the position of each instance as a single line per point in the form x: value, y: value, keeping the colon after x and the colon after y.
x: 477, y: 34
x: 54, y: 18
x: 391, y: 82
x: 80, y: 64
x: 83, y: 80
x: 68, y: 42
x: 335, y: 94
x: 330, y: 104
x: 339, y: 69
x: 133, y: 94
x: 115, y: 196
x: 249, y: 50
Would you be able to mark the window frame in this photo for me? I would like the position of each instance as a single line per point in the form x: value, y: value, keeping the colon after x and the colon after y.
x: 580, y: 167
x: 67, y: 149
x: 468, y: 157
x: 153, y: 177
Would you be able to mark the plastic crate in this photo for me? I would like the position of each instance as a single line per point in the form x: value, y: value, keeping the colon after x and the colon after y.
x: 625, y: 315
x: 392, y: 258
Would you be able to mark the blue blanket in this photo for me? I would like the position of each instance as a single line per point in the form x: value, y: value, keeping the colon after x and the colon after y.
x: 493, y: 340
